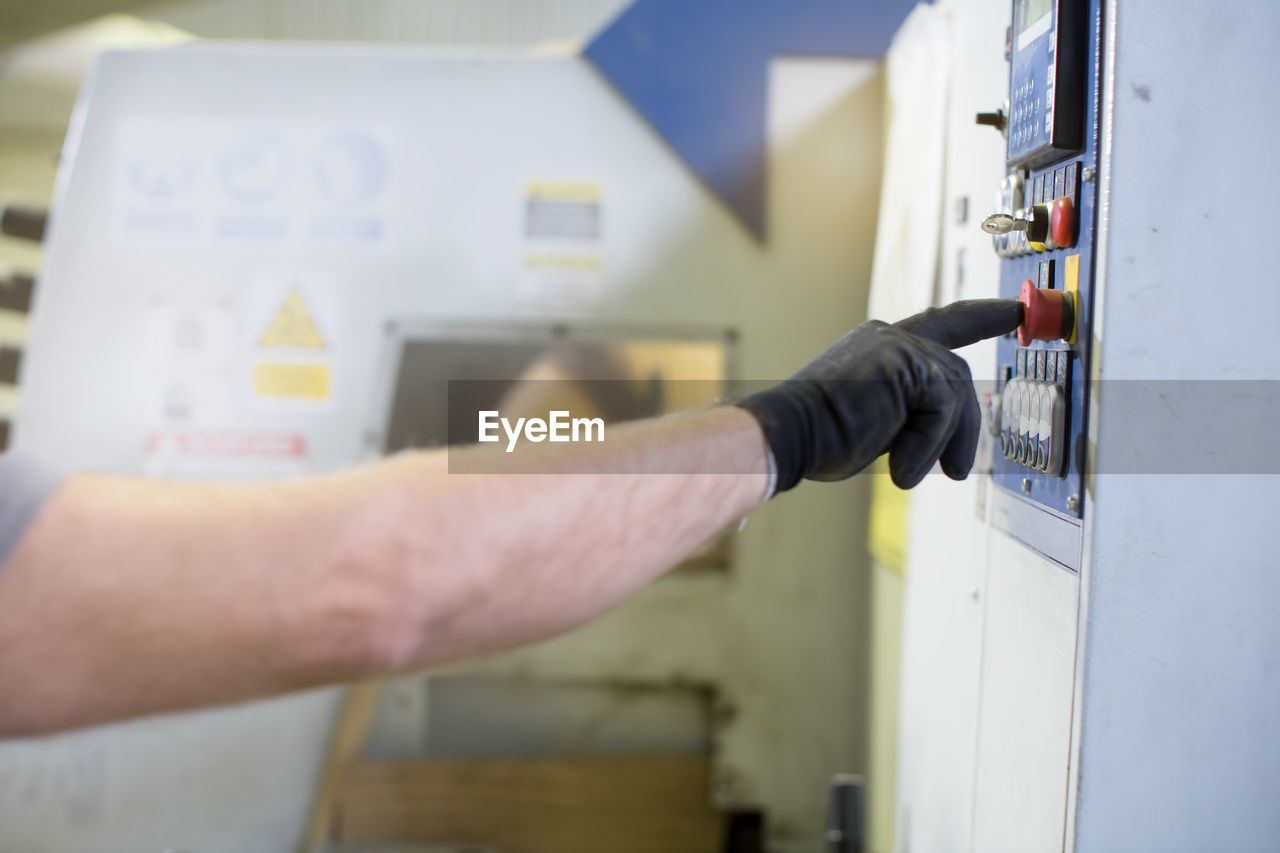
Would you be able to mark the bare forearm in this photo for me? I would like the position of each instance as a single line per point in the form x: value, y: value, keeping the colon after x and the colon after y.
x: 536, y: 554
x: 130, y: 597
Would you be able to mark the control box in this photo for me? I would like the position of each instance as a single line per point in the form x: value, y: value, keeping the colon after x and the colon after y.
x: 1043, y: 232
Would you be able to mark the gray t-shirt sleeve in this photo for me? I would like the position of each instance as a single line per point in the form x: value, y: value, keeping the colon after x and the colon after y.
x: 25, y: 485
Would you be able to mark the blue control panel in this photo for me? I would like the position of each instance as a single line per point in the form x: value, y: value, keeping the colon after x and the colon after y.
x: 1040, y: 410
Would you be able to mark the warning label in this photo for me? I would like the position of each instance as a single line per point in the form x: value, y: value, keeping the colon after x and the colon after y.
x: 293, y: 326
x: 224, y: 454
x: 298, y: 381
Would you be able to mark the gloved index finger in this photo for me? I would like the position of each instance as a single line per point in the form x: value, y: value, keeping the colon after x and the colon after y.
x: 966, y: 322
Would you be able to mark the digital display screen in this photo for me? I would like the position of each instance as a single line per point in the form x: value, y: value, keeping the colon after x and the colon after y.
x: 1031, y: 11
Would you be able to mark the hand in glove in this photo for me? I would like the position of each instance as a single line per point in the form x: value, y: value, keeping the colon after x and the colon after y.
x: 884, y: 388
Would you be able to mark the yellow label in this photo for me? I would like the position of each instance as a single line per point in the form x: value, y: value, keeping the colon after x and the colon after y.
x: 592, y: 263
x: 296, y: 381
x: 1071, y: 284
x: 293, y: 326
x: 563, y: 191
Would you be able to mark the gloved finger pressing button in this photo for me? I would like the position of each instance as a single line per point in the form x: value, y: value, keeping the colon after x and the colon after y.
x: 881, y: 388
x: 966, y: 322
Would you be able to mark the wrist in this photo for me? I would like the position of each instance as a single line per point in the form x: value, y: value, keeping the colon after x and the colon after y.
x: 782, y: 424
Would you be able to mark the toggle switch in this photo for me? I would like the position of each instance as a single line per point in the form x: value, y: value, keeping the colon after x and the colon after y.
x: 1053, y: 430
x: 1008, y: 402
x: 1029, y: 424
x: 1047, y: 315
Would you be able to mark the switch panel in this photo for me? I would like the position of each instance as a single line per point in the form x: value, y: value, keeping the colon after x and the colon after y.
x: 1033, y: 416
x: 1043, y: 231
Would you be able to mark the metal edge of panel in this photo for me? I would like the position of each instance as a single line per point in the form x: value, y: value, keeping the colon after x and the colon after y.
x: 1106, y: 124
x: 1052, y: 535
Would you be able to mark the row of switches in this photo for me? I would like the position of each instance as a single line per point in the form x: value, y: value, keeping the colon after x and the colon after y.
x: 1033, y: 424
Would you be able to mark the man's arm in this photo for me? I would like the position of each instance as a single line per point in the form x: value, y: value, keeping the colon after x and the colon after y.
x: 129, y: 597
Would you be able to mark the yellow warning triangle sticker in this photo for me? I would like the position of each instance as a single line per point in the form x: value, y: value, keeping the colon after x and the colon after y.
x: 293, y: 326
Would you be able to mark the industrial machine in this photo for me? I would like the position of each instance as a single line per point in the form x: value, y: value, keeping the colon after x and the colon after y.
x: 269, y: 261
x: 1088, y: 641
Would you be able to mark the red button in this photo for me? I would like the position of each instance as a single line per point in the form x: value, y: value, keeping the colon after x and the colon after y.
x: 1062, y: 223
x: 1046, y: 315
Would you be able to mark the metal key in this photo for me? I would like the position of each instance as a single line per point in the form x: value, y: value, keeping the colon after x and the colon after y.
x: 1003, y: 223
x: 1033, y: 220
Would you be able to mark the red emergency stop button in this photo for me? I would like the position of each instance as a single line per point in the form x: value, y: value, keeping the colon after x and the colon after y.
x: 1062, y: 223
x: 1047, y: 314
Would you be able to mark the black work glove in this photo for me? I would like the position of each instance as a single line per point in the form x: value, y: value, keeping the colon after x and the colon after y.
x: 884, y: 388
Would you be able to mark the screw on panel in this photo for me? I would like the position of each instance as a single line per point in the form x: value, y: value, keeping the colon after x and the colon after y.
x: 1026, y: 485
x: 1073, y: 502
x: 1086, y: 174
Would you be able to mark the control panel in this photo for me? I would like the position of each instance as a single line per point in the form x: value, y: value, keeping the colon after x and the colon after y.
x: 1043, y: 231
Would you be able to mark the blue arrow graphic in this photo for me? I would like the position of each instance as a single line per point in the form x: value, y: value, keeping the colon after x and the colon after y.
x: 697, y: 70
